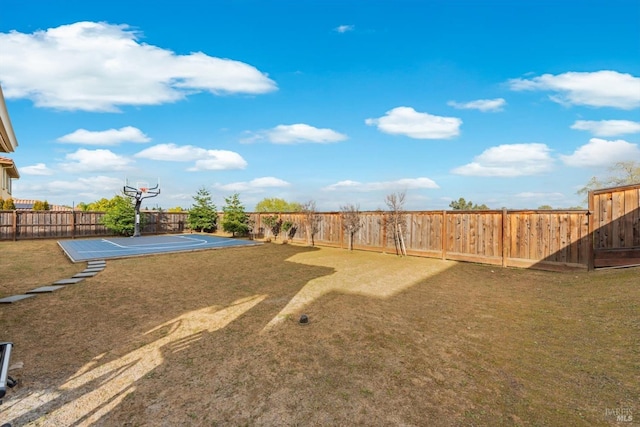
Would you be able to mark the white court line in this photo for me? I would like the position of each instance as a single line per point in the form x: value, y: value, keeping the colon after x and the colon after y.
x: 201, y: 242
x: 193, y: 238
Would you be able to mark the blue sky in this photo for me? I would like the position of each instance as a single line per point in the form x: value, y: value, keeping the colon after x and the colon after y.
x: 508, y: 103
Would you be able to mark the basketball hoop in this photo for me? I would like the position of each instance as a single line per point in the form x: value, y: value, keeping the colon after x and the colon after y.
x: 139, y: 192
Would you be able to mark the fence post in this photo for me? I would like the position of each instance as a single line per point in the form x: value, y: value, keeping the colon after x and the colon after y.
x: 444, y: 235
x: 156, y: 220
x: 15, y: 225
x: 591, y: 252
x: 73, y: 224
x: 341, y: 235
x: 505, y: 235
x: 384, y: 232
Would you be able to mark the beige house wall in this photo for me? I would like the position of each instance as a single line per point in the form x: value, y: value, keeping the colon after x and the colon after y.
x: 8, y: 144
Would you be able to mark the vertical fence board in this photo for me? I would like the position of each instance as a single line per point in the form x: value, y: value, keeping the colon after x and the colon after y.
x: 634, y: 217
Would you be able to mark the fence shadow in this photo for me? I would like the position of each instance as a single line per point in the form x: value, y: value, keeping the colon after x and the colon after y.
x: 616, y: 226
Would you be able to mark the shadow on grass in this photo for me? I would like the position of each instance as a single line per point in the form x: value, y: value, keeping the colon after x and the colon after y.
x: 109, y: 309
x: 391, y: 341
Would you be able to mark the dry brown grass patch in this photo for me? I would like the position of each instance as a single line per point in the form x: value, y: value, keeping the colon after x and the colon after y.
x: 212, y: 338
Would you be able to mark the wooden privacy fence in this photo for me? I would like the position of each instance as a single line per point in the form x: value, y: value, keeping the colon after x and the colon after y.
x: 543, y: 239
x: 23, y: 225
x: 608, y: 234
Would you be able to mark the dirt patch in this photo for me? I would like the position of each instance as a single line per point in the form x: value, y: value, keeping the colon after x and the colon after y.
x: 212, y: 338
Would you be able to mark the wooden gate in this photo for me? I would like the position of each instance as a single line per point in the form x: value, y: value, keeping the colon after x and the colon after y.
x: 616, y: 226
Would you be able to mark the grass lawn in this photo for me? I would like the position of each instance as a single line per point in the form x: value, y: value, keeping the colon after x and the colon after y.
x: 212, y: 338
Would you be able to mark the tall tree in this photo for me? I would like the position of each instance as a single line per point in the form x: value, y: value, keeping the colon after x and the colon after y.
x: 101, y: 205
x: 620, y: 173
x: 312, y: 220
x: 235, y: 220
x: 202, y: 216
x: 462, y: 205
x: 351, y: 221
x: 277, y: 205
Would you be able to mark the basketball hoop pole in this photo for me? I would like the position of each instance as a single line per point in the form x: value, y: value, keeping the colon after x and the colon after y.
x: 139, y: 194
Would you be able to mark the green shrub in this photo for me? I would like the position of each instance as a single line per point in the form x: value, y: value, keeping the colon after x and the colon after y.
x: 8, y: 205
x: 120, y: 216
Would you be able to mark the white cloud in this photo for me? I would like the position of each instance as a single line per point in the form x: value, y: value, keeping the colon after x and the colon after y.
x: 89, y: 185
x: 268, y: 182
x: 600, y: 152
x: 407, y: 121
x: 297, y: 133
x: 254, y: 185
x: 172, y: 153
x: 96, y: 66
x: 484, y: 105
x: 94, y: 161
x: 88, y: 188
x: 607, y: 127
x: 217, y: 160
x: 37, y: 169
x: 345, y: 185
x: 204, y: 159
x: 344, y: 28
x: 509, y: 160
x: 105, y: 137
x: 400, y: 184
x: 597, y: 89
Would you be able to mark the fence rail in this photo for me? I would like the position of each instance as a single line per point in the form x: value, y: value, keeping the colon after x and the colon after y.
x: 608, y: 234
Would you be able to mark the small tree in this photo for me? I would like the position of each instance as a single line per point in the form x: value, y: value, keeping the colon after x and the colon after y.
x: 235, y: 220
x: 351, y: 221
x: 395, y: 220
x: 274, y: 224
x: 120, y: 215
x: 288, y: 229
x: 312, y: 220
x: 1, y: 203
x: 202, y: 216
